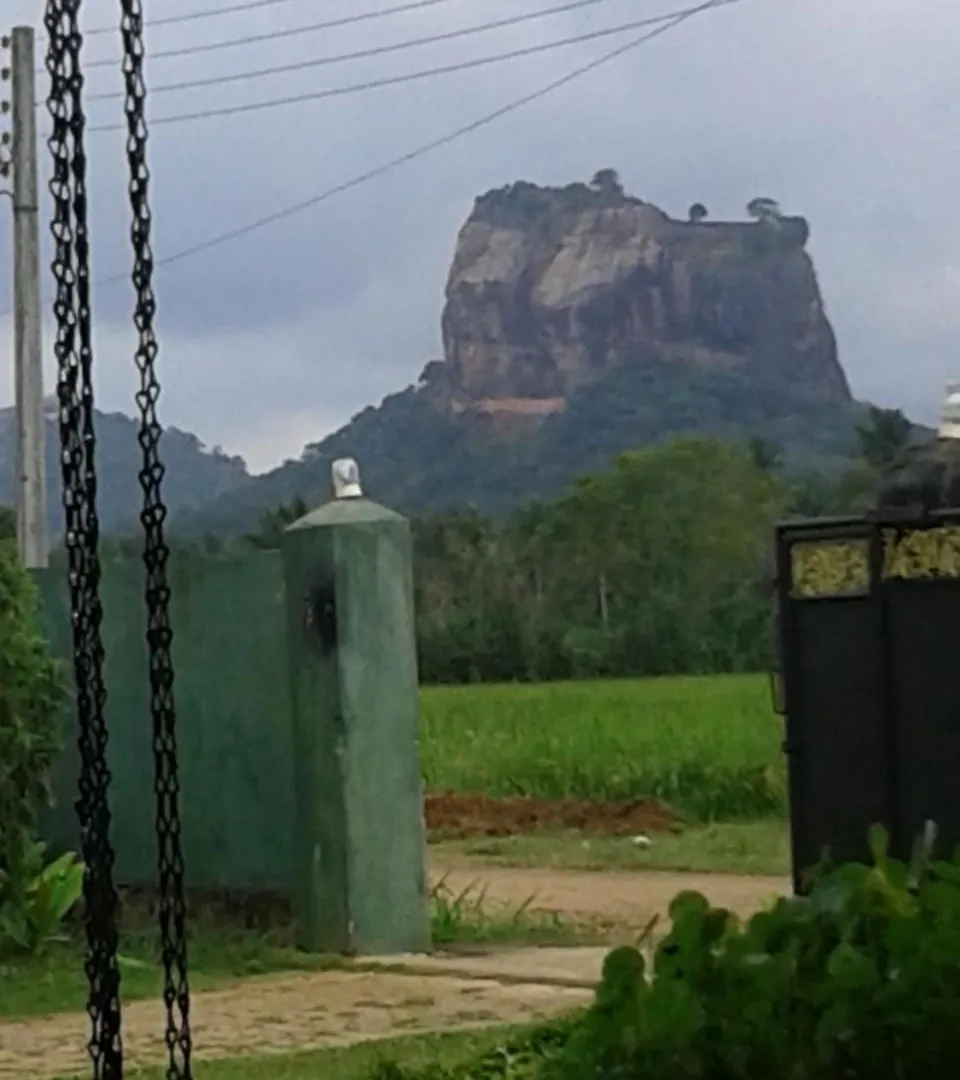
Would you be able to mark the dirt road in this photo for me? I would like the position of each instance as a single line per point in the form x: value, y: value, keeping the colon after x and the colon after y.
x: 623, y: 897
x: 304, y: 1011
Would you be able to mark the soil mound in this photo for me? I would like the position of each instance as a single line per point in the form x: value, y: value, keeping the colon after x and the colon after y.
x: 484, y: 815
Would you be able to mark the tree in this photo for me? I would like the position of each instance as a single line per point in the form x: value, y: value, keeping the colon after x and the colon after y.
x: 607, y: 181
x: 31, y: 691
x: 651, y: 567
x: 8, y: 523
x: 668, y: 549
x: 883, y: 436
x: 269, y: 532
x: 432, y: 372
x: 697, y: 212
x: 766, y: 454
x: 764, y: 209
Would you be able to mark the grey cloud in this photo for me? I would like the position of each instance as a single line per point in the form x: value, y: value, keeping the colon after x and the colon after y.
x: 841, y: 110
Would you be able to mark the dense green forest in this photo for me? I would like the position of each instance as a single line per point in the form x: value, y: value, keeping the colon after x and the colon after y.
x: 419, y: 459
x: 661, y: 564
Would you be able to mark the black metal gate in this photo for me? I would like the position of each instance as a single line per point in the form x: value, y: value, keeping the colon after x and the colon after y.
x: 869, y: 629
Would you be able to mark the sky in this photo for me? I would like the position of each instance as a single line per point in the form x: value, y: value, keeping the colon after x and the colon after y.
x: 845, y: 111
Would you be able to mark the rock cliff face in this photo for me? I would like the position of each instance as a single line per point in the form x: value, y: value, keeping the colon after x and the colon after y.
x: 551, y: 288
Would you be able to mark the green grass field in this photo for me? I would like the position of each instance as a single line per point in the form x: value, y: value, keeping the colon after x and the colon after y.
x: 732, y: 847
x: 708, y: 746
x: 450, y: 1052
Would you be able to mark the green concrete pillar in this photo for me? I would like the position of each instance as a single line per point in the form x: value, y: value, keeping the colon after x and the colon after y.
x: 362, y: 880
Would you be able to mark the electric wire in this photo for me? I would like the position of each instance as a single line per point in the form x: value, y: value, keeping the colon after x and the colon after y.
x: 359, y: 54
x: 276, y: 35
x: 295, y: 209
x: 406, y: 77
x: 194, y: 16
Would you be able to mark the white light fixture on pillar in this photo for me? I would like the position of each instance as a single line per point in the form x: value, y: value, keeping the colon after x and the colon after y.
x: 950, y: 413
x: 346, y: 479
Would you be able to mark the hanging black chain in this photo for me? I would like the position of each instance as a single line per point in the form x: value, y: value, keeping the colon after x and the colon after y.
x: 78, y: 465
x: 155, y: 555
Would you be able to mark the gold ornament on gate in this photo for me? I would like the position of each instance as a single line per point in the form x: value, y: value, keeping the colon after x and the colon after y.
x: 837, y: 568
x: 842, y: 568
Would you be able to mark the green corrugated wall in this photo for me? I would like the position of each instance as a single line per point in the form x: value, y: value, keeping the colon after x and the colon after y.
x: 232, y: 709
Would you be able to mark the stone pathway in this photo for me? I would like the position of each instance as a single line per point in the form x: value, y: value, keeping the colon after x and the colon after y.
x: 393, y: 995
x: 576, y: 968
x: 306, y: 1011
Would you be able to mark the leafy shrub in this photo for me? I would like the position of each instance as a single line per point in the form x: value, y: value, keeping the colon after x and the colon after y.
x: 522, y: 1057
x: 858, y: 980
x: 31, y: 914
x: 30, y: 692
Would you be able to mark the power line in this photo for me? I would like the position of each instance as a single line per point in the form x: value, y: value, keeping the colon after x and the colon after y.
x: 193, y: 16
x: 359, y: 54
x: 275, y: 35
x: 395, y: 80
x: 426, y: 148
x: 676, y: 19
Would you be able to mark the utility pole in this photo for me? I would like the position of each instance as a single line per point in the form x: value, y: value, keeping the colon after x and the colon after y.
x: 27, y: 344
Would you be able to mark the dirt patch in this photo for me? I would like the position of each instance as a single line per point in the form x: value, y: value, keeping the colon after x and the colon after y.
x: 461, y: 816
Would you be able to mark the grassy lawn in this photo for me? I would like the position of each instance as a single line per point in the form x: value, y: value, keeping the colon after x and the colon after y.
x: 465, y: 919
x: 451, y: 1050
x: 708, y: 746
x: 745, y: 847
x: 56, y: 982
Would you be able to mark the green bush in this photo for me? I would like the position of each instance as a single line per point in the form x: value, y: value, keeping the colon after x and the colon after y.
x: 30, y: 692
x: 521, y: 1058
x: 858, y: 980
x: 32, y: 914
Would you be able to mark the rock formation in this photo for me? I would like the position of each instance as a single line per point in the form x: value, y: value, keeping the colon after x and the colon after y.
x: 551, y: 288
x: 579, y: 323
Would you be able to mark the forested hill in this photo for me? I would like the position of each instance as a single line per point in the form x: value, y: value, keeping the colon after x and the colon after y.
x: 416, y: 458
x: 194, y: 475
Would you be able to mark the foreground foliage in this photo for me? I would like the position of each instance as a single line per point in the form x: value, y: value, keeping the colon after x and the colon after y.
x: 33, y: 897
x: 859, y: 980
x: 39, y: 897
